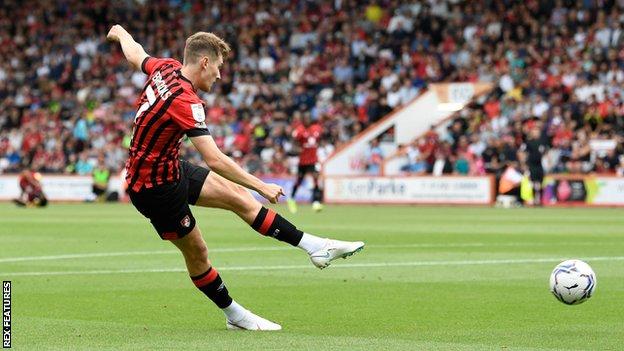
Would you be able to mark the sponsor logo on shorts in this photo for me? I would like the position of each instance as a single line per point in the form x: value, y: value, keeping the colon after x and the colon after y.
x: 186, y: 221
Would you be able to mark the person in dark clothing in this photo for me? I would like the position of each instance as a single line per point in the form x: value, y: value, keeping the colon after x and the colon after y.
x: 532, y: 151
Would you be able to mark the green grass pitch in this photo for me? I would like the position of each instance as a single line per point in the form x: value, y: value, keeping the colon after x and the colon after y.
x: 95, y: 276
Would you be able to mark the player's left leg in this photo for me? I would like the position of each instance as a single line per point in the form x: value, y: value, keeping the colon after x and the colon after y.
x: 219, y: 192
x: 290, y: 201
x: 208, y: 281
x: 301, y: 172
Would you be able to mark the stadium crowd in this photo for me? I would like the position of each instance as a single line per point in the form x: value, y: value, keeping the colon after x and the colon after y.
x: 67, y: 98
x: 558, y: 70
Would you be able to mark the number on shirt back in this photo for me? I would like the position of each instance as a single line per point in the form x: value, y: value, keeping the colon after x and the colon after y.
x: 151, y: 98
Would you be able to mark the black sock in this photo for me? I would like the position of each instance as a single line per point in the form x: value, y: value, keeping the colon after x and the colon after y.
x: 269, y: 223
x: 295, y: 187
x: 211, y: 285
x: 317, y: 194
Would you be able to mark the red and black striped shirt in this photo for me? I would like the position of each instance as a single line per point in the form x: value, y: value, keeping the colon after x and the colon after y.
x: 168, y: 108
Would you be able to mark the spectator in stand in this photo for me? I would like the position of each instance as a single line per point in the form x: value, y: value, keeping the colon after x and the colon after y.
x: 415, y: 160
x: 374, y: 158
x: 442, y: 163
x: 83, y: 166
x: 619, y: 169
x: 462, y: 164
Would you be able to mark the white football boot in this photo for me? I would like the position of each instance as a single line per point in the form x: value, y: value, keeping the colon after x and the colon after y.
x: 334, y: 249
x: 252, y: 322
x: 317, y: 206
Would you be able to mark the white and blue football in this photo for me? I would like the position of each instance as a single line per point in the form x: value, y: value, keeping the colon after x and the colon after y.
x: 573, y: 282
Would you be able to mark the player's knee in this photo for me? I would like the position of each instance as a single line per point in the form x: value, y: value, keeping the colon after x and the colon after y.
x: 245, y: 202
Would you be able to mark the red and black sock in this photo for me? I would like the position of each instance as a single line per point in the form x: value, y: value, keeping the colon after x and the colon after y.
x: 269, y: 223
x: 211, y: 285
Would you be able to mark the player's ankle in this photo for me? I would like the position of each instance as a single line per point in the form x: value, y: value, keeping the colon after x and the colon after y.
x: 311, y: 243
x: 234, y: 312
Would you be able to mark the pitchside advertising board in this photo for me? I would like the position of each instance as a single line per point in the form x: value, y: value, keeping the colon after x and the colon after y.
x: 569, y: 190
x: 583, y: 190
x: 575, y: 190
x: 79, y: 188
x: 409, y: 190
x: 59, y: 188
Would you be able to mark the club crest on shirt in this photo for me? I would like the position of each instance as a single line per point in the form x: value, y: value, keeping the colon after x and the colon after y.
x: 186, y: 221
x: 198, y: 112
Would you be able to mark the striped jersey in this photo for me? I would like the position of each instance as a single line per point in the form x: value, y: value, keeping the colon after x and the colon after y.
x: 168, y: 108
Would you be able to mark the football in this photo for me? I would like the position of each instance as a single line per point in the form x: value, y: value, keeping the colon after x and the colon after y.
x: 572, y: 282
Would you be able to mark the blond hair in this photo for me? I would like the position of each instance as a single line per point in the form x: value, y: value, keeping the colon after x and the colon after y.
x: 204, y: 44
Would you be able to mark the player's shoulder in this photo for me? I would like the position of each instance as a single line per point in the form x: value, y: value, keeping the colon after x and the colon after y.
x: 151, y: 64
x: 188, y: 95
x: 188, y: 103
x: 164, y: 61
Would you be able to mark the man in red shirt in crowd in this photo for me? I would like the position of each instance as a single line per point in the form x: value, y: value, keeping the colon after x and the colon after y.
x: 32, y: 192
x: 307, y: 136
x: 162, y: 187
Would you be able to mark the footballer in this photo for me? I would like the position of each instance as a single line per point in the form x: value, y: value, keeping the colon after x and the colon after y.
x: 161, y: 187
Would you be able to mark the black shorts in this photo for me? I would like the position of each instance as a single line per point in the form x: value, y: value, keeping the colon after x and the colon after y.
x: 167, y: 205
x: 302, y: 170
x: 536, y: 173
x: 98, y: 191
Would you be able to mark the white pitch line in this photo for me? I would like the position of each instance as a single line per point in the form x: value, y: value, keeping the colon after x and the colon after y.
x: 130, y: 253
x: 275, y: 248
x: 346, y: 265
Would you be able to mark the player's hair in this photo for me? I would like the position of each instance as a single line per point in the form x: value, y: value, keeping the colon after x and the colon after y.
x: 204, y: 44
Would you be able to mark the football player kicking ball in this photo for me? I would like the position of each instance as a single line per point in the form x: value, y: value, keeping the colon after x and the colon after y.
x: 161, y: 187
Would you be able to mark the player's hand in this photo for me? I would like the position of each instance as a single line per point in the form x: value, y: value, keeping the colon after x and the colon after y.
x: 114, y: 32
x: 272, y: 192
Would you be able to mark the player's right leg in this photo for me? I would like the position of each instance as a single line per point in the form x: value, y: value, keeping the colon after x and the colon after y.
x: 316, y: 192
x: 219, y: 192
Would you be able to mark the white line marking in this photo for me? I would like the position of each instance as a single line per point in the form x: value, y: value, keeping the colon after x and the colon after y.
x: 277, y: 248
x: 131, y: 253
x: 346, y: 265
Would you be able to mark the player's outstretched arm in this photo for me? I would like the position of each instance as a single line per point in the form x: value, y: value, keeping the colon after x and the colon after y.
x: 228, y: 169
x: 134, y: 52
